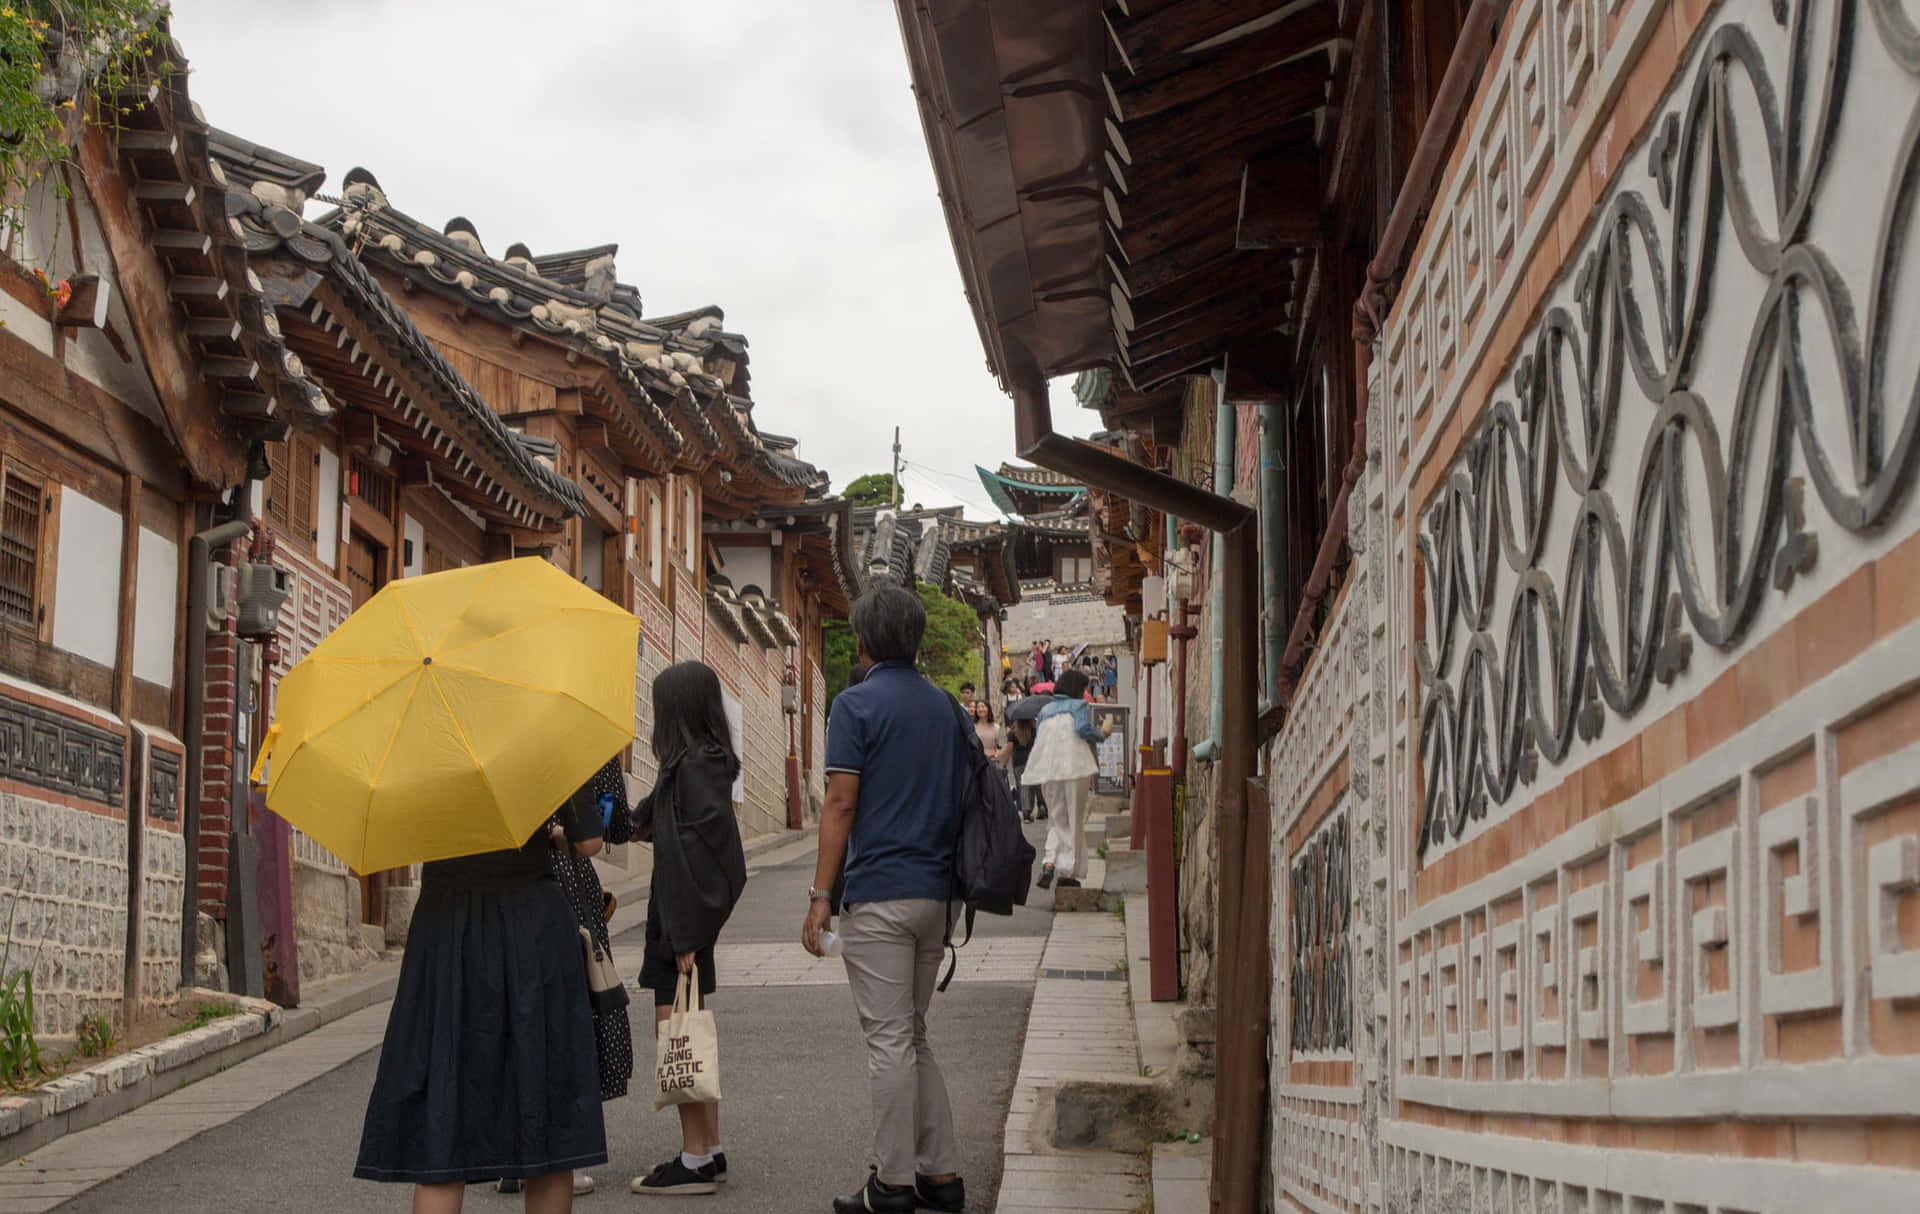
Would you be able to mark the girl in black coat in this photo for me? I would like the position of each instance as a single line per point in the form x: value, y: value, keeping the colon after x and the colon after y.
x: 699, y: 871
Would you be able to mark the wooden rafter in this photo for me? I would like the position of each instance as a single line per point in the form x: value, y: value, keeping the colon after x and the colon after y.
x: 1182, y: 79
x: 1238, y: 116
x: 1175, y: 27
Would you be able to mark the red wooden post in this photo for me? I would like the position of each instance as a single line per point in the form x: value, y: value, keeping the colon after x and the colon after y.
x: 1163, y: 936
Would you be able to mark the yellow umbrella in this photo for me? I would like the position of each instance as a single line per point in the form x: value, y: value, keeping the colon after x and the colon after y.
x: 451, y: 714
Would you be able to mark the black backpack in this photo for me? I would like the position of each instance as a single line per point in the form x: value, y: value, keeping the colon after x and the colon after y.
x: 992, y: 860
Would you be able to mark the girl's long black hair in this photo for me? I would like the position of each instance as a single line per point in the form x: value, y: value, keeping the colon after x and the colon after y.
x: 688, y: 715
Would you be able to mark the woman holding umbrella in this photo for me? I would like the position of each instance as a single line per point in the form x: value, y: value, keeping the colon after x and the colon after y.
x: 441, y: 724
x: 699, y: 870
x: 489, y: 1068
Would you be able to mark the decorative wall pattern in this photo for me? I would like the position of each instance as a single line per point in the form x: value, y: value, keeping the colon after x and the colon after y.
x: 1723, y: 366
x: 163, y: 785
x: 1661, y: 960
x: 60, y: 753
x: 318, y: 604
x: 1708, y: 428
x: 1322, y: 979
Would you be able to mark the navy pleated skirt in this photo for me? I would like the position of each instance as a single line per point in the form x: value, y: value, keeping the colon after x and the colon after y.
x: 488, y: 1067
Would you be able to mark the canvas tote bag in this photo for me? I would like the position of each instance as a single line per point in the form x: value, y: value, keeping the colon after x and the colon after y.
x: 688, y: 1070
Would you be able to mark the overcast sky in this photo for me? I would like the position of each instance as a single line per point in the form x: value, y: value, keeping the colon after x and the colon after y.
x: 764, y: 155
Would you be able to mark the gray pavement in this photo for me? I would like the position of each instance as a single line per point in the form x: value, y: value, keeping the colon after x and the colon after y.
x: 280, y: 1132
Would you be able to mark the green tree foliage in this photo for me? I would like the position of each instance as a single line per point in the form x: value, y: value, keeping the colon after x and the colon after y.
x: 840, y: 657
x: 873, y: 489
x: 950, y: 650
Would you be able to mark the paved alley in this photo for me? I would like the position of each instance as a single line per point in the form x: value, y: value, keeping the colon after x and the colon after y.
x: 279, y: 1133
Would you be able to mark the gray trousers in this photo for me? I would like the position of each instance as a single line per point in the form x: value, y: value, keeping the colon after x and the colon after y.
x: 892, y: 952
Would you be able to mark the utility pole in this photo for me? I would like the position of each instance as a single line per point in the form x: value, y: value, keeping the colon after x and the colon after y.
x: 896, y: 467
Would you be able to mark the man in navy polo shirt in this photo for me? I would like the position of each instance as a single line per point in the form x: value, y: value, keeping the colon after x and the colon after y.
x: 895, y: 770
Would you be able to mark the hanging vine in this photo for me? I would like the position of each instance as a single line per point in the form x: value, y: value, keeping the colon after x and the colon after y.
x: 54, y: 56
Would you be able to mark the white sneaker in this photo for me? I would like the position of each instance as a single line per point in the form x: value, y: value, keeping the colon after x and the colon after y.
x: 582, y: 1184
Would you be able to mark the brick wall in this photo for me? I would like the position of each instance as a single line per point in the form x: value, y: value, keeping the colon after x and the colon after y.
x: 216, y: 818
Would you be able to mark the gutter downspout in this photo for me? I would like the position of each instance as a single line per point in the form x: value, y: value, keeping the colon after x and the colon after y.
x: 1273, y: 550
x: 194, y: 728
x: 1224, y: 422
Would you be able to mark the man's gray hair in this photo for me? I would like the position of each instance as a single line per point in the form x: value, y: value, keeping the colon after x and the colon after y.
x: 889, y: 623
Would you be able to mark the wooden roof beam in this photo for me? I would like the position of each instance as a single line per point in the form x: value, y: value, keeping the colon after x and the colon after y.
x: 1148, y: 373
x: 1233, y: 116
x: 1259, y: 369
x: 1178, y: 80
x: 1175, y: 27
x: 1232, y: 316
x: 1279, y: 204
x: 1227, y: 274
x: 1150, y: 274
x: 1209, y: 213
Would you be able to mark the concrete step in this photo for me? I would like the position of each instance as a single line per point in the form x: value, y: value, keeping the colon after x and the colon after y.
x: 1119, y: 829
x: 1182, y: 1175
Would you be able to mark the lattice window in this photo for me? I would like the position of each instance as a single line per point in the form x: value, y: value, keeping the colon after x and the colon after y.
x: 291, y: 491
x: 372, y: 485
x: 23, y: 510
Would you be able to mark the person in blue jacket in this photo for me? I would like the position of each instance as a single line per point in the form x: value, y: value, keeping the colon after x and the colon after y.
x: 1063, y: 764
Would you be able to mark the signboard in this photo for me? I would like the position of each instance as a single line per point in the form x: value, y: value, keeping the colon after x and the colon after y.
x: 1116, y: 753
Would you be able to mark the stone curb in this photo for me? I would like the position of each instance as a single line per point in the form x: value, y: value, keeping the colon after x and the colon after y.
x: 84, y: 1099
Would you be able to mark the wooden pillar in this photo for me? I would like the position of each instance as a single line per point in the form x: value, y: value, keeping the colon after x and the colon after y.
x: 136, y: 751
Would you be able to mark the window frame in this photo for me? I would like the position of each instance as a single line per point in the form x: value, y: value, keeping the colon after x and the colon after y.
x: 39, y: 622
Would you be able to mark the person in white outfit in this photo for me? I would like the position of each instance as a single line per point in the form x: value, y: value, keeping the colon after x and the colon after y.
x: 1063, y: 764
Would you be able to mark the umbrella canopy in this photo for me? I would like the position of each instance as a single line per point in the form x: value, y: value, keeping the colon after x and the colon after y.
x: 1077, y: 651
x: 1027, y: 709
x: 451, y: 714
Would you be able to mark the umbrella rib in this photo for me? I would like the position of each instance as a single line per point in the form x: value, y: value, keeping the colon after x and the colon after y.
x: 524, y: 625
x: 361, y: 706
x: 482, y: 584
x: 366, y: 816
x: 544, y: 691
x: 461, y: 730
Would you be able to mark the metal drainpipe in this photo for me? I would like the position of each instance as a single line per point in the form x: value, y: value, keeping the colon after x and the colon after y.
x: 1224, y: 421
x: 194, y: 728
x: 1273, y: 551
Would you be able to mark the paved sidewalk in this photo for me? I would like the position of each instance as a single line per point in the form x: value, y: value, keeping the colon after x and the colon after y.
x: 1080, y: 1025
x: 76, y: 1163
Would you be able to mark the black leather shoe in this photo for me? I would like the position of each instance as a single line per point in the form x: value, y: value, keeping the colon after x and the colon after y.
x: 1046, y: 877
x: 877, y: 1198
x: 949, y: 1197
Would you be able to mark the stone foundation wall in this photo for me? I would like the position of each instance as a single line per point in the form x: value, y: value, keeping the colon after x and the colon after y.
x: 326, y: 909
x: 164, y: 856
x: 67, y: 903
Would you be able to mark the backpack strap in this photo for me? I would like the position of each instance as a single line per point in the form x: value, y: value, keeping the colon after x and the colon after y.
x: 953, y: 948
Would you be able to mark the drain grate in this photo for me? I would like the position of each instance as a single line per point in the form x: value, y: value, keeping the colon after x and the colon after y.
x: 1087, y: 975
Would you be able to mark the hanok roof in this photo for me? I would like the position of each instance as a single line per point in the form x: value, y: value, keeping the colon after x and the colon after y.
x: 1018, y: 490
x: 1136, y: 186
x: 361, y: 345
x: 245, y: 372
x: 683, y: 378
